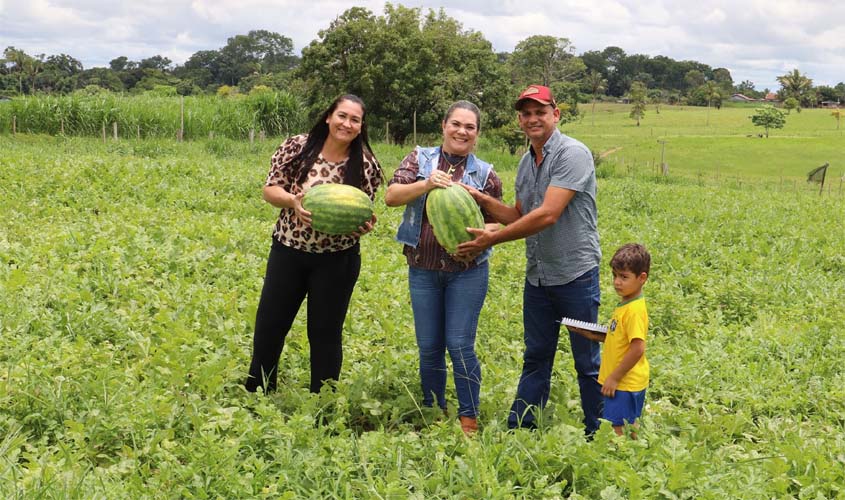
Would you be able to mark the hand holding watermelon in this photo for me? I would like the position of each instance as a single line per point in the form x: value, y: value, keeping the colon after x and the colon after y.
x: 438, y: 179
x: 450, y: 212
x: 337, y: 209
x: 301, y: 213
x: 365, y: 228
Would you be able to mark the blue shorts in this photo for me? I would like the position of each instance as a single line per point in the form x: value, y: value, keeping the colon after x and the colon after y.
x: 624, y: 407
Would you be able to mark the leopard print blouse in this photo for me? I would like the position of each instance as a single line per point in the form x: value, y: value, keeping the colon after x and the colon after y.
x: 289, y: 230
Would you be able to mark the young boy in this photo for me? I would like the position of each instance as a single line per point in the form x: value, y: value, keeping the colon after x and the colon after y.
x: 624, y: 367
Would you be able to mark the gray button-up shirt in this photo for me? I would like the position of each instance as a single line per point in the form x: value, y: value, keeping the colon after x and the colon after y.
x: 569, y: 248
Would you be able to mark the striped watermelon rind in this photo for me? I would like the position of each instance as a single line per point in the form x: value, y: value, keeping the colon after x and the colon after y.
x: 450, y: 211
x: 337, y: 208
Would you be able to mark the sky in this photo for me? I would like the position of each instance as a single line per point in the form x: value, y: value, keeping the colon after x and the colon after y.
x: 756, y: 40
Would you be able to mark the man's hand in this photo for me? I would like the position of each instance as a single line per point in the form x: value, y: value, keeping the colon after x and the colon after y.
x: 476, y: 194
x: 483, y: 240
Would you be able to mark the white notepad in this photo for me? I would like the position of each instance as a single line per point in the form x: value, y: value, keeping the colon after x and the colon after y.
x: 593, y: 327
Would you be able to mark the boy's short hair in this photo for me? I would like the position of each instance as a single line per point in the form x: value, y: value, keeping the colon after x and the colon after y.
x: 631, y: 257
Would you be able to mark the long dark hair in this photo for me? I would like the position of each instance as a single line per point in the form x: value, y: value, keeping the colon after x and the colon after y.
x: 317, y: 138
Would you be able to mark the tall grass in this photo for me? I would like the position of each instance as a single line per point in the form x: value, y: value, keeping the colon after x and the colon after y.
x: 275, y: 113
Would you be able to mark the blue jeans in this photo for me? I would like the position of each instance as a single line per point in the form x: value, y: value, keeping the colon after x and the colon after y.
x: 446, y: 307
x: 543, y: 307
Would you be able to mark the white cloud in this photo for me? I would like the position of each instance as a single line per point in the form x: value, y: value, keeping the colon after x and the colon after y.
x: 756, y: 39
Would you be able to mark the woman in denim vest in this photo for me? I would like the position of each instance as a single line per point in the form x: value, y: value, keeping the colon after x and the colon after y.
x: 447, y: 291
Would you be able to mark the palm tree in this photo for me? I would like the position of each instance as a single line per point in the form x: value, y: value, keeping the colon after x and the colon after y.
x: 711, y: 92
x: 794, y: 84
x: 596, y: 84
x: 20, y: 60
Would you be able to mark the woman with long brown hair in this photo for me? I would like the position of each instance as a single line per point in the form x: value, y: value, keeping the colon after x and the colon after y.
x: 304, y: 262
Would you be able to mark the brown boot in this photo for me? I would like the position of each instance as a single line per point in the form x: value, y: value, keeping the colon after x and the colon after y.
x: 469, y: 425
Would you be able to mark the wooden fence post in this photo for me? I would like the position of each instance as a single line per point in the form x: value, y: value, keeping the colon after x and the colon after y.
x: 138, y: 132
x: 14, y: 125
x: 251, y: 135
x: 181, y: 118
x: 104, y: 132
x: 114, y: 130
x: 62, y: 123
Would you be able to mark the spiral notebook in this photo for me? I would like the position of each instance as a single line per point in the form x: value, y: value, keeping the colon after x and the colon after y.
x: 593, y: 327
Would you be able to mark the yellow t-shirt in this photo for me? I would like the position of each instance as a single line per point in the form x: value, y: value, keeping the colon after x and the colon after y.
x: 629, y: 321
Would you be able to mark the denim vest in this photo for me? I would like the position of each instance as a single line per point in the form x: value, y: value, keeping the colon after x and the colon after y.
x: 475, y: 175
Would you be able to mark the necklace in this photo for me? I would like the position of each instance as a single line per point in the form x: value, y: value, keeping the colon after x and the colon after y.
x: 452, y: 166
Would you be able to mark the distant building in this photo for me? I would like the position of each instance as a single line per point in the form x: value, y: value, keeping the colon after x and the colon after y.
x: 741, y: 98
x: 829, y: 104
x: 771, y: 97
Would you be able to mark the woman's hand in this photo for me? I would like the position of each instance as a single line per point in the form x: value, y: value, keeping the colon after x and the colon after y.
x: 365, y: 228
x: 301, y: 213
x: 438, y: 179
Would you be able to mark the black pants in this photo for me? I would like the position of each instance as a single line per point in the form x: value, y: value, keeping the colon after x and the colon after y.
x: 328, y: 280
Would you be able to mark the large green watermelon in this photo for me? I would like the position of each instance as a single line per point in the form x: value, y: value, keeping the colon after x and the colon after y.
x: 337, y: 208
x: 450, y: 211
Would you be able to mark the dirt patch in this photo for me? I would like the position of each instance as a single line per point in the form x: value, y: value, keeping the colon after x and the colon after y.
x: 609, y: 152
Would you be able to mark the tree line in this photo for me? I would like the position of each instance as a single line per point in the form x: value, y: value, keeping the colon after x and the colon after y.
x: 407, y: 64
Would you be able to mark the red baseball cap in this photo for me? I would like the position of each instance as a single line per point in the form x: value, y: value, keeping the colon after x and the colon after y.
x: 539, y: 93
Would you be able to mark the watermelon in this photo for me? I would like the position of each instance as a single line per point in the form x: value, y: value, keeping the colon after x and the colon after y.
x: 450, y: 211
x: 337, y: 208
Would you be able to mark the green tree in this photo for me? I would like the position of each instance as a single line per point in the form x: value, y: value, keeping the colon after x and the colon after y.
x: 156, y: 62
x: 101, y: 77
x: 694, y: 79
x: 259, y: 51
x: 122, y: 63
x: 794, y: 84
x: 722, y: 77
x: 768, y: 117
x: 638, y: 101
x: 791, y: 103
x: 840, y: 91
x: 202, y: 69
x: 545, y: 60
x: 59, y: 74
x: 712, y: 93
x: 656, y: 97
x: 596, y: 85
x: 402, y: 64
x: 618, y: 80
x: 826, y: 93
x: 19, y: 62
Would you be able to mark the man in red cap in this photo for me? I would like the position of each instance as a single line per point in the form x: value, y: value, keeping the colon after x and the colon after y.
x: 556, y: 213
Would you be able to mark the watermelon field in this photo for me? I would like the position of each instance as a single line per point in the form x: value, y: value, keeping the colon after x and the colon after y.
x: 130, y: 273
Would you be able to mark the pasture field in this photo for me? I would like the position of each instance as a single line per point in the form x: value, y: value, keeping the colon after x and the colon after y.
x: 130, y: 275
x: 728, y: 146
